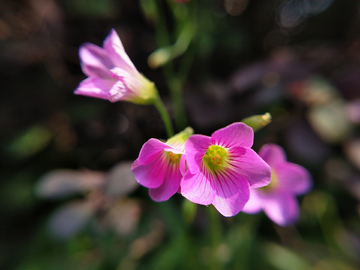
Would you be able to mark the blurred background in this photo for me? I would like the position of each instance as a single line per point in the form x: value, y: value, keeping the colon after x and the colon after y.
x: 67, y: 197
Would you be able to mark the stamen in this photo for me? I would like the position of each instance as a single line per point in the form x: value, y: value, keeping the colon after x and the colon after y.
x: 174, y: 158
x: 216, y: 158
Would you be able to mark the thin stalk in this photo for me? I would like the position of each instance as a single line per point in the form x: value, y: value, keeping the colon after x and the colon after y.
x: 215, y: 236
x: 164, y: 116
x: 174, y: 83
x: 175, y: 87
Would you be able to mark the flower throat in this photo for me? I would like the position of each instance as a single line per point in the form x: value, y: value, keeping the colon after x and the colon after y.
x: 216, y: 158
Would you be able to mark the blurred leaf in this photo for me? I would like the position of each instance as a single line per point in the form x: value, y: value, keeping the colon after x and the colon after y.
x: 124, y: 216
x: 70, y: 219
x: 316, y: 91
x: 285, y: 259
x: 332, y: 264
x: 189, y: 210
x: 148, y: 242
x: 353, y: 111
x: 120, y: 180
x: 327, y: 109
x: 304, y: 143
x: 64, y: 183
x: 323, y: 205
x: 352, y: 151
x: 330, y: 121
x: 17, y: 193
x: 172, y: 255
x: 241, y: 239
x: 103, y: 8
x: 31, y: 142
x: 150, y: 10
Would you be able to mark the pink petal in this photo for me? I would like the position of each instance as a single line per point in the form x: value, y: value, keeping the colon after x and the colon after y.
x: 294, y: 178
x: 112, y: 44
x: 280, y: 207
x: 195, y: 149
x: 150, y: 151
x: 150, y: 175
x: 272, y: 154
x: 183, y: 166
x: 254, y: 203
x: 118, y: 92
x: 170, y: 185
x: 236, y: 134
x: 125, y: 86
x: 95, y: 61
x: 255, y: 170
x: 197, y: 188
x: 94, y: 87
x: 232, y: 193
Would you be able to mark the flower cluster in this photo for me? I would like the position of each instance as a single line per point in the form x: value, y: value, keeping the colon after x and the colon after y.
x: 224, y: 171
x: 216, y: 170
x: 221, y: 170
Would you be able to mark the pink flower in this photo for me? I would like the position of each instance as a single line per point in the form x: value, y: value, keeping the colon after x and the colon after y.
x: 112, y: 75
x: 221, y: 169
x: 158, y: 165
x: 278, y: 199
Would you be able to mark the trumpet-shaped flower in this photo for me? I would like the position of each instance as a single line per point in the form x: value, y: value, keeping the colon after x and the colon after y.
x: 278, y: 199
x: 158, y: 165
x: 112, y: 75
x: 222, y: 168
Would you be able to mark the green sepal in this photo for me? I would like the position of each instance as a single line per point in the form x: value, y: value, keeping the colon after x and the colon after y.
x: 257, y: 122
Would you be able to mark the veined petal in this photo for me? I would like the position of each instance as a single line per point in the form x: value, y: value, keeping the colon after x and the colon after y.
x: 170, y: 185
x: 272, y: 154
x: 280, y: 207
x: 94, y: 87
x: 195, y: 149
x: 95, y: 61
x: 113, y: 46
x: 294, y: 178
x: 232, y: 193
x: 251, y: 166
x: 236, y: 134
x: 132, y: 87
x: 150, y: 151
x: 197, y: 188
x: 119, y: 91
x: 151, y: 175
x: 254, y: 203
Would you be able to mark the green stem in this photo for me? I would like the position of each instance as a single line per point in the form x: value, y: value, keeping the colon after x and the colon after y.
x: 174, y: 83
x: 164, y: 116
x: 175, y: 87
x: 215, y: 234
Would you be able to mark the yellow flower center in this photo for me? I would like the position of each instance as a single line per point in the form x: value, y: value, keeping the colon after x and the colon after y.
x: 216, y: 158
x: 174, y: 158
x: 273, y: 182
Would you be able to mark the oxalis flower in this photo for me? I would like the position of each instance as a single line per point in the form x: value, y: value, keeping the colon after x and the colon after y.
x: 112, y: 75
x: 158, y: 165
x: 278, y: 199
x: 221, y: 169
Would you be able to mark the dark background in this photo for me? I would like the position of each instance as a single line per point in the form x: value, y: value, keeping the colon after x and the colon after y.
x: 298, y: 60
